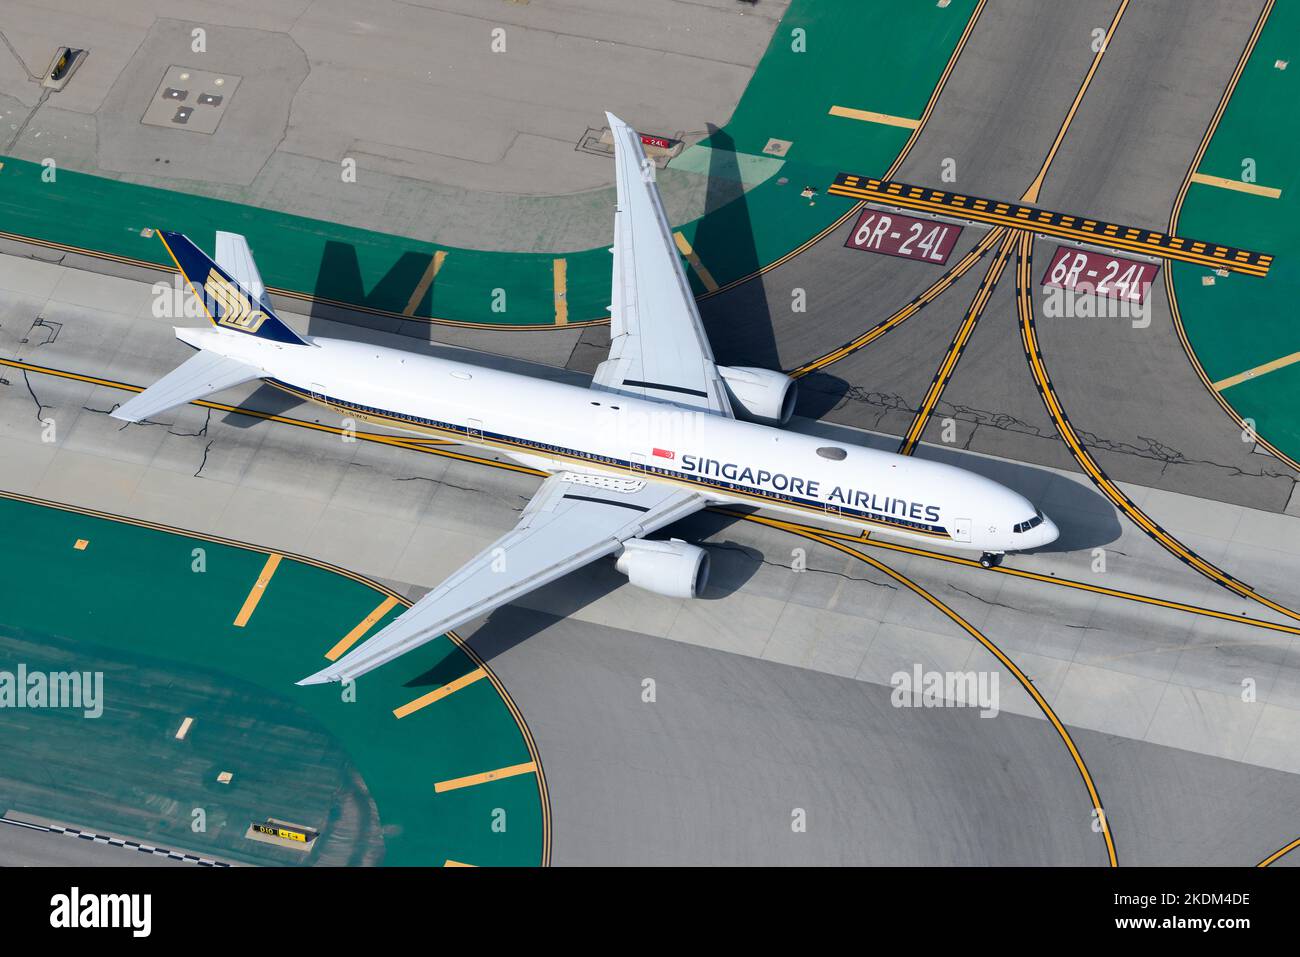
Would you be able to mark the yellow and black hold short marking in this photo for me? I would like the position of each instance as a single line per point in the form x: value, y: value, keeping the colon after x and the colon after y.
x: 1050, y: 223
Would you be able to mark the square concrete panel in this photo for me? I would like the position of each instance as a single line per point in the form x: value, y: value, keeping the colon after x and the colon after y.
x: 190, y: 99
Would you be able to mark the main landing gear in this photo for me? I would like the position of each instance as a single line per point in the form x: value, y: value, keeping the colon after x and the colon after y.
x: 991, y: 559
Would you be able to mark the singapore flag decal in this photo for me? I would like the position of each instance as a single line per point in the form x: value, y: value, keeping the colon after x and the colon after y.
x: 665, y: 454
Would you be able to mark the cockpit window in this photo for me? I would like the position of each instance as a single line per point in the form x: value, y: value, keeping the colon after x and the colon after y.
x: 1029, y: 523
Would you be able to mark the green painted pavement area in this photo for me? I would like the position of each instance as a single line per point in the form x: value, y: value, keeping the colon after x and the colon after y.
x: 131, y: 605
x: 1241, y: 322
x: 846, y: 61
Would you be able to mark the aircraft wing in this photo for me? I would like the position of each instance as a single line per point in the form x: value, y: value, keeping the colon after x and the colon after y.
x: 201, y: 374
x: 658, y: 348
x: 571, y: 521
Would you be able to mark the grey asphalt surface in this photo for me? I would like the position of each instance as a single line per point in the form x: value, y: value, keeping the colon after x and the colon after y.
x: 773, y: 691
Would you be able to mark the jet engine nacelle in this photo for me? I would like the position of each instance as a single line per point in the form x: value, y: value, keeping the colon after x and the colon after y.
x: 671, y: 568
x: 760, y: 395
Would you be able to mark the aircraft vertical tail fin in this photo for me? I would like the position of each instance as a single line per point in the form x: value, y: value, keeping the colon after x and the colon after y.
x: 231, y: 291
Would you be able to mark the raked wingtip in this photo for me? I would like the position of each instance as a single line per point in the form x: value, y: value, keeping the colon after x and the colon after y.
x: 319, y: 678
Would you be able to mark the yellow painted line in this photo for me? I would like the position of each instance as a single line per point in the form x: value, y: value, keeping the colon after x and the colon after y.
x: 1224, y: 183
x: 1280, y: 852
x: 705, y: 276
x: 1007, y: 663
x: 450, y: 863
x: 1173, y: 226
x: 1084, y: 459
x: 1266, y: 368
x: 469, y: 781
x: 1031, y: 194
x: 1192, y: 253
x: 864, y: 538
x: 439, y: 693
x: 560, y: 272
x: 425, y: 282
x: 872, y: 117
x: 958, y: 346
x: 258, y: 590
x: 363, y: 626
x: 940, y: 285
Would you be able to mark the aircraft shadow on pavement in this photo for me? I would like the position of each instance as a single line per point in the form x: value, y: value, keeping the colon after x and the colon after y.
x: 731, y: 566
x: 339, y: 278
x: 738, y: 322
x: 266, y: 399
x: 819, y: 393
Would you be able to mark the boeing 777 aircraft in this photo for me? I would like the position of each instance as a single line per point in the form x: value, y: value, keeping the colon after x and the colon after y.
x: 662, y: 432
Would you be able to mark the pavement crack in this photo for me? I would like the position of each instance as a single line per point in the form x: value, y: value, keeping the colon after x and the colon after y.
x: 207, y: 420
x: 981, y: 599
x: 1146, y: 447
x: 434, y: 481
x: 40, y: 407
x: 202, y: 465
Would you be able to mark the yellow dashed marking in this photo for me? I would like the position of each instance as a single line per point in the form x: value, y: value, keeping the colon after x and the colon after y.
x: 257, y: 591
x: 363, y: 626
x: 706, y: 278
x: 1224, y: 183
x: 560, y: 272
x: 430, y: 272
x: 1264, y: 369
x: 472, y: 779
x: 439, y: 693
x: 871, y: 117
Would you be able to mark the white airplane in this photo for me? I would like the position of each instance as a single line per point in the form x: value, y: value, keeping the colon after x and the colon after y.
x: 662, y: 432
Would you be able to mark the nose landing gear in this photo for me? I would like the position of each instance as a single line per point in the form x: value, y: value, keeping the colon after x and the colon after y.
x: 991, y: 559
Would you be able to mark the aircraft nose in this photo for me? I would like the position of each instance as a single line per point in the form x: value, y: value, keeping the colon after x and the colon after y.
x: 1048, y: 532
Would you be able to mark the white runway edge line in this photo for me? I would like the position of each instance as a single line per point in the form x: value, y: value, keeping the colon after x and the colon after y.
x: 115, y: 842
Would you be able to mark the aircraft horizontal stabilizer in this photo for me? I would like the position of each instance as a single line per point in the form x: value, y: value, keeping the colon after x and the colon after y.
x: 201, y: 374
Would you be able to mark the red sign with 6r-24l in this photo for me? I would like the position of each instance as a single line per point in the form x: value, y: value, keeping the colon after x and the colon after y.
x: 905, y: 236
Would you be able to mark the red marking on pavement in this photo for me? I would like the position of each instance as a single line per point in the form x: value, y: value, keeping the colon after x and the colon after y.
x: 1099, y: 274
x: 906, y: 237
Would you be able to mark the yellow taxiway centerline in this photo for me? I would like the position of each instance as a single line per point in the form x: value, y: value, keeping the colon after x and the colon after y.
x: 1031, y: 194
x: 1007, y: 663
x: 940, y: 285
x: 957, y: 347
x: 258, y: 590
x: 1055, y: 410
x: 1280, y: 852
x: 472, y: 779
x: 788, y: 525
